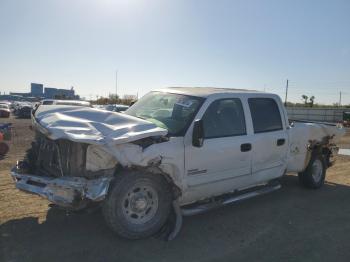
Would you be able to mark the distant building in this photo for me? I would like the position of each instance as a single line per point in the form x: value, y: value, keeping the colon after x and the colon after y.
x: 50, y: 92
x: 55, y: 93
x: 36, y: 89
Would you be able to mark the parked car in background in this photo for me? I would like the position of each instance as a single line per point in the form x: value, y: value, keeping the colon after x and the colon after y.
x: 18, y: 105
x: 47, y: 102
x: 24, y: 110
x: 6, y: 103
x: 99, y: 106
x: 65, y: 102
x: 5, y: 135
x: 116, y: 108
x: 346, y: 118
x: 5, y: 110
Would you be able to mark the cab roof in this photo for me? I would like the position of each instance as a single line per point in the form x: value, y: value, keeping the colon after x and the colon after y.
x: 206, y: 91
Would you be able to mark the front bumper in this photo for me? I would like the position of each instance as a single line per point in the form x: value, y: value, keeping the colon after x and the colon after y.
x: 68, y: 192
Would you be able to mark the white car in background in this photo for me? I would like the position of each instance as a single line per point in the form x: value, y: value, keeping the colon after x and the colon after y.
x: 116, y: 108
x: 5, y: 110
x: 65, y: 102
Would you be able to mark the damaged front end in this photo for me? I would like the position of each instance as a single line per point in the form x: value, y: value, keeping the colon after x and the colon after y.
x: 76, y: 152
x: 69, y: 174
x: 69, y: 192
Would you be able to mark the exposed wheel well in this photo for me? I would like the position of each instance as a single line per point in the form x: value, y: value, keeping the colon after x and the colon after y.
x: 323, y: 150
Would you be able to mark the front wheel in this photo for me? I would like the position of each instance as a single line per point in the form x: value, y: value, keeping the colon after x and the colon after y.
x: 314, y: 174
x: 138, y: 204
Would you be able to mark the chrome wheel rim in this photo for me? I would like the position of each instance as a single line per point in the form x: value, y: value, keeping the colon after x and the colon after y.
x: 317, y: 170
x: 140, y: 204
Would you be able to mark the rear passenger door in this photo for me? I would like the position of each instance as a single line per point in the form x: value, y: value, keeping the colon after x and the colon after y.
x: 270, y: 139
x: 226, y: 150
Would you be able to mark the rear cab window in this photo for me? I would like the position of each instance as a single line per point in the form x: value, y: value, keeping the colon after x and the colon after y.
x: 265, y: 113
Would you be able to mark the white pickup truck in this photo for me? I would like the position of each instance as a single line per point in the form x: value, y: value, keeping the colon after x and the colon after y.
x: 177, y: 151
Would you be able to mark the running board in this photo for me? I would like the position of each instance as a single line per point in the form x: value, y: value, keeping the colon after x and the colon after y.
x: 202, y: 208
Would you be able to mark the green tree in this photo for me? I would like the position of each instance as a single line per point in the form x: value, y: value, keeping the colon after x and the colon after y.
x: 312, y: 100
x: 305, y: 98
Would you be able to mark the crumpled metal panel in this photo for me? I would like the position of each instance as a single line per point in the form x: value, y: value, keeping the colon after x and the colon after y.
x: 63, y: 191
x: 301, y: 135
x: 92, y: 126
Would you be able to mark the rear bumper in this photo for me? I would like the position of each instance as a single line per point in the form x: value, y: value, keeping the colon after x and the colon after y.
x: 68, y: 192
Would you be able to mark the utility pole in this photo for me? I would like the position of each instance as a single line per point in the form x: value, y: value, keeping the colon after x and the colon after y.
x: 285, y: 100
x: 340, y: 98
x: 116, y: 84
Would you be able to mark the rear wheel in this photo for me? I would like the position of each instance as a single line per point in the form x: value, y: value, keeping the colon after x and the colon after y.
x: 138, y: 205
x: 315, y: 173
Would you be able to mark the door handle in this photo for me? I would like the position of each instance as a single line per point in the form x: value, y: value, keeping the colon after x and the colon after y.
x: 246, y: 147
x: 280, y: 142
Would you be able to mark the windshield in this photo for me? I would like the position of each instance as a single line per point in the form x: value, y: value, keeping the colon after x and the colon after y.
x: 4, y: 106
x: 173, y: 112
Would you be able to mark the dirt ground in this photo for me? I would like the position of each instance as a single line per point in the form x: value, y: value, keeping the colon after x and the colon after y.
x: 292, y: 224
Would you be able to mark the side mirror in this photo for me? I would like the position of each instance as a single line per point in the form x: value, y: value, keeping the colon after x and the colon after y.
x: 198, y: 133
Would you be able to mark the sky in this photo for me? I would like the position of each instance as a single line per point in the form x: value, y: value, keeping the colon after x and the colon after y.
x: 251, y: 44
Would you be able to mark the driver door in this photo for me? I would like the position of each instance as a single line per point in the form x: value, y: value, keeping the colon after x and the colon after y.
x: 226, y: 150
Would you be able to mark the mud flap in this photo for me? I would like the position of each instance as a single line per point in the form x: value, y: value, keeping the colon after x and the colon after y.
x: 173, y: 225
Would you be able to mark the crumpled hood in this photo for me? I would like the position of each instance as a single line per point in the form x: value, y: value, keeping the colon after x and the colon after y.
x: 92, y: 126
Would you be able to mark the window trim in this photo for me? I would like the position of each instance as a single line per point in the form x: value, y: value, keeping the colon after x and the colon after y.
x: 244, y: 117
x: 251, y: 115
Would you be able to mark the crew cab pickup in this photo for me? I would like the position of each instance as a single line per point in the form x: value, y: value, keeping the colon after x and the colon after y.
x: 175, y: 152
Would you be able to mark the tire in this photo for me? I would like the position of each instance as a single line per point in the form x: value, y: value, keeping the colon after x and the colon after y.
x: 4, y: 148
x: 138, y: 204
x: 314, y: 174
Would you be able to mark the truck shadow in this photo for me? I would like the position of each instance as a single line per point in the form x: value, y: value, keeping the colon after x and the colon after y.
x: 310, y: 223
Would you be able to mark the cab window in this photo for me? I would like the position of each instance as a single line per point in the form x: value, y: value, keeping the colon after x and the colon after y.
x: 266, y: 116
x: 223, y: 118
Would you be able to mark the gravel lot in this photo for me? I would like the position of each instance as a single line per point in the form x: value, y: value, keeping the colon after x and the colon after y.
x: 292, y: 224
